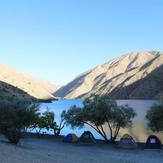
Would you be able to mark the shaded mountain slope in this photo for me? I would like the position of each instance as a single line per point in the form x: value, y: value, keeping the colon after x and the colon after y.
x: 150, y: 87
x: 118, y: 78
x: 36, y: 88
x: 11, y: 93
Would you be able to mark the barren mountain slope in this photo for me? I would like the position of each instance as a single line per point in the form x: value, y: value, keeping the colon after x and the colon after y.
x: 26, y: 83
x: 113, y: 75
x: 12, y: 94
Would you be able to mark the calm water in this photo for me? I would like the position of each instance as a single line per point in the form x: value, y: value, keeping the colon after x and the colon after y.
x: 139, y: 130
x: 58, y: 106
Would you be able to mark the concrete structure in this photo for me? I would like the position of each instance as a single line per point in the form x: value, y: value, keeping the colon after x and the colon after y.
x: 139, y: 131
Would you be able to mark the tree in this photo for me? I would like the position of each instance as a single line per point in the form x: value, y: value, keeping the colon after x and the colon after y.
x: 15, y: 117
x: 38, y: 124
x: 61, y: 124
x: 154, y: 117
x: 100, y: 111
x: 48, y: 120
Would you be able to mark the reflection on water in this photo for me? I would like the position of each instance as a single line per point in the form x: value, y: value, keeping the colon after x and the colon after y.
x: 139, y: 130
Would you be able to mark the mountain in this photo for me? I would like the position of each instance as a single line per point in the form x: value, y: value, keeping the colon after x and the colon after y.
x: 48, y: 85
x: 12, y: 94
x: 39, y: 89
x: 136, y: 75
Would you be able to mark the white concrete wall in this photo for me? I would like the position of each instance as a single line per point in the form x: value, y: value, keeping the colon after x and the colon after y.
x: 139, y: 131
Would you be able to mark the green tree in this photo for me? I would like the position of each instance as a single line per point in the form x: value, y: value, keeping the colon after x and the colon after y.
x: 61, y: 124
x: 38, y: 125
x: 154, y: 117
x: 100, y: 111
x: 15, y: 117
x: 48, y: 119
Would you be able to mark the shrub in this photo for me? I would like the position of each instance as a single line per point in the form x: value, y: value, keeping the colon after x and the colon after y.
x: 154, y: 117
x: 15, y: 118
x: 46, y: 120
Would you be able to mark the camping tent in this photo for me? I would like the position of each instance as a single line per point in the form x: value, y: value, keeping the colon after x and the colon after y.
x: 70, y: 138
x: 87, y: 137
x: 127, y: 142
x: 153, y: 142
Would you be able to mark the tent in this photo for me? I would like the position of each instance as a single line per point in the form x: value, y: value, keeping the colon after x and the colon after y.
x: 87, y: 137
x: 153, y: 142
x: 127, y: 142
x: 70, y: 138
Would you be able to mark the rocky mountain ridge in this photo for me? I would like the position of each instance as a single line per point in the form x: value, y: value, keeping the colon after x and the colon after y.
x: 125, y: 77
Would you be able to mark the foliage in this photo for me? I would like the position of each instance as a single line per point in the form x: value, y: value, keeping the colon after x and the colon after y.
x: 46, y: 120
x: 15, y: 118
x: 38, y: 124
x: 155, y: 117
x: 75, y: 117
x: 100, y: 111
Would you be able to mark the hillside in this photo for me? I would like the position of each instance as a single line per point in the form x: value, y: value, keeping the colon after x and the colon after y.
x: 35, y: 88
x: 12, y: 94
x: 135, y: 75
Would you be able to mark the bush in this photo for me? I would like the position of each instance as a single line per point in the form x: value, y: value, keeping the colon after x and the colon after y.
x: 46, y: 120
x: 154, y: 117
x: 13, y: 136
x: 15, y: 118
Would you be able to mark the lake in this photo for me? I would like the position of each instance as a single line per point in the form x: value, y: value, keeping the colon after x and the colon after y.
x: 139, y: 130
x: 58, y: 106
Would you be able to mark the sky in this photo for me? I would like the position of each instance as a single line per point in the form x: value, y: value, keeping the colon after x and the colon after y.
x: 59, y: 39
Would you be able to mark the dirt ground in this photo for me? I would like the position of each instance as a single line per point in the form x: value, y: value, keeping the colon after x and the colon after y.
x: 32, y: 150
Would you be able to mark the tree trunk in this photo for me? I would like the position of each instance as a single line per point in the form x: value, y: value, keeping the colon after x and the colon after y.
x: 116, y: 133
x: 57, y: 133
x: 96, y: 128
x: 106, y: 140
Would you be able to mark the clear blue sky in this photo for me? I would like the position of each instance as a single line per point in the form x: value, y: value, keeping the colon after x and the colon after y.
x: 58, y: 39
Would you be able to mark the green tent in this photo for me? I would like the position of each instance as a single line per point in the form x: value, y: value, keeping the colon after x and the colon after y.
x: 87, y: 137
x: 127, y: 142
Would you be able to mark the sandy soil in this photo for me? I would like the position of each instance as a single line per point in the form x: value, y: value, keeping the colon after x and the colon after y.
x: 51, y: 151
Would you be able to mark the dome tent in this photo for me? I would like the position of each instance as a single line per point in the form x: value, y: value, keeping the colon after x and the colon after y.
x: 153, y: 142
x: 70, y: 138
x: 87, y: 137
x: 127, y: 142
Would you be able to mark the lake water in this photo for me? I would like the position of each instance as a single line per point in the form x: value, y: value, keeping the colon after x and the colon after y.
x: 139, y: 130
x: 58, y: 106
